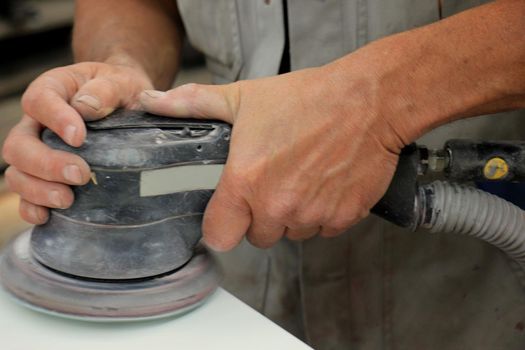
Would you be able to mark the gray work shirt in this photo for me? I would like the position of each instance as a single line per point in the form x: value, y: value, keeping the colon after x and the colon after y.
x: 377, y: 286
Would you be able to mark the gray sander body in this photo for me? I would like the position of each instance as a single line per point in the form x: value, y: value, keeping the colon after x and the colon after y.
x: 115, y: 229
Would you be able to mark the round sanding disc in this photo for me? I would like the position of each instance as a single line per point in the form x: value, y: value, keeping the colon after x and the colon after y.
x: 49, y: 291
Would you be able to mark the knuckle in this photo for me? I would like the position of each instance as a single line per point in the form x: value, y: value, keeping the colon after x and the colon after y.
x: 238, y: 174
x: 48, y: 167
x: 68, y: 198
x: 192, y: 90
x: 241, y: 179
x: 22, y: 211
x: 27, y: 213
x: 41, y: 214
x: 33, y: 195
x: 347, y: 218
x: 110, y: 88
x: 44, y: 167
x: 8, y: 149
x: 193, y: 94
x: 58, y: 76
x: 296, y: 234
x: 340, y: 224
x: 358, y: 211
x: 30, y: 98
x: 362, y: 214
x: 360, y: 204
x: 9, y: 175
x: 349, y: 213
x: 256, y: 241
x: 309, y: 217
x: 54, y: 162
x: 281, y: 208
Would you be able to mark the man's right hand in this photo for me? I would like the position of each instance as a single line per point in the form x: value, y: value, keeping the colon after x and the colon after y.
x: 60, y: 100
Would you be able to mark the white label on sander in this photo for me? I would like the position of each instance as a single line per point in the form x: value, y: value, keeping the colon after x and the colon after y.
x: 180, y: 179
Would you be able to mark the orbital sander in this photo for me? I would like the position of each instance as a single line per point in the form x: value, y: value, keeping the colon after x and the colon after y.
x: 128, y: 248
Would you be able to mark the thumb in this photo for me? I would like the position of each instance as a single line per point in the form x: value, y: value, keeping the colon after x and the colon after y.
x: 227, y: 217
x: 102, y: 95
x: 97, y: 98
x: 194, y: 100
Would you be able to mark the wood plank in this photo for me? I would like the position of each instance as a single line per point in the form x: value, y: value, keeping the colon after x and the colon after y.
x: 10, y: 221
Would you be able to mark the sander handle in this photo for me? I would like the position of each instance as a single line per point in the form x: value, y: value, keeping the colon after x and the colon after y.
x: 398, y: 204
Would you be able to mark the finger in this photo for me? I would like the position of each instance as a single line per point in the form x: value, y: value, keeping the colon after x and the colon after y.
x: 24, y: 150
x: 194, y: 100
x: 349, y: 215
x: 226, y: 219
x: 46, y: 101
x: 34, y: 214
x: 263, y: 232
x: 97, y: 98
x: 302, y: 233
x: 37, y: 191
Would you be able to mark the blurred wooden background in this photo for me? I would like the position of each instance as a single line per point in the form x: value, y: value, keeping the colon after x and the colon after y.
x: 10, y: 222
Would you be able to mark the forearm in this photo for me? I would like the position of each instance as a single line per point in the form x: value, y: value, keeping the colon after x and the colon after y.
x: 469, y: 64
x: 146, y: 34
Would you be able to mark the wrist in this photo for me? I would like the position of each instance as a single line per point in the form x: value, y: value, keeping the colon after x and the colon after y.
x: 407, y: 85
x: 159, y: 70
x: 141, y: 68
x: 126, y: 61
x: 378, y: 78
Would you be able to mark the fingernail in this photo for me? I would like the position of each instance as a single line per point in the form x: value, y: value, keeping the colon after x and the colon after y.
x: 41, y: 214
x: 106, y: 111
x: 69, y: 134
x: 72, y: 174
x: 54, y: 199
x: 31, y: 209
x: 37, y: 214
x: 213, y: 246
x: 89, y: 101
x: 154, y: 93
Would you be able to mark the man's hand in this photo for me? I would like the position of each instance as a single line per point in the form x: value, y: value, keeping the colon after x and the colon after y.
x: 312, y: 151
x: 60, y: 99
x: 306, y: 157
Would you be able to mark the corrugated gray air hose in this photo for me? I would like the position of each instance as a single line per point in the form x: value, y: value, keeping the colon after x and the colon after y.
x: 469, y: 211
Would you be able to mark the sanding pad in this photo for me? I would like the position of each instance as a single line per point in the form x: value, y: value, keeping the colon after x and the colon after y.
x: 47, y: 290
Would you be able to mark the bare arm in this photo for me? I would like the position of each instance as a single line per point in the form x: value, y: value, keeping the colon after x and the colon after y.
x: 145, y: 34
x: 470, y: 64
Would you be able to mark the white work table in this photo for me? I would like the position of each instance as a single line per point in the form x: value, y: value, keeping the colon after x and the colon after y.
x: 223, y: 322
